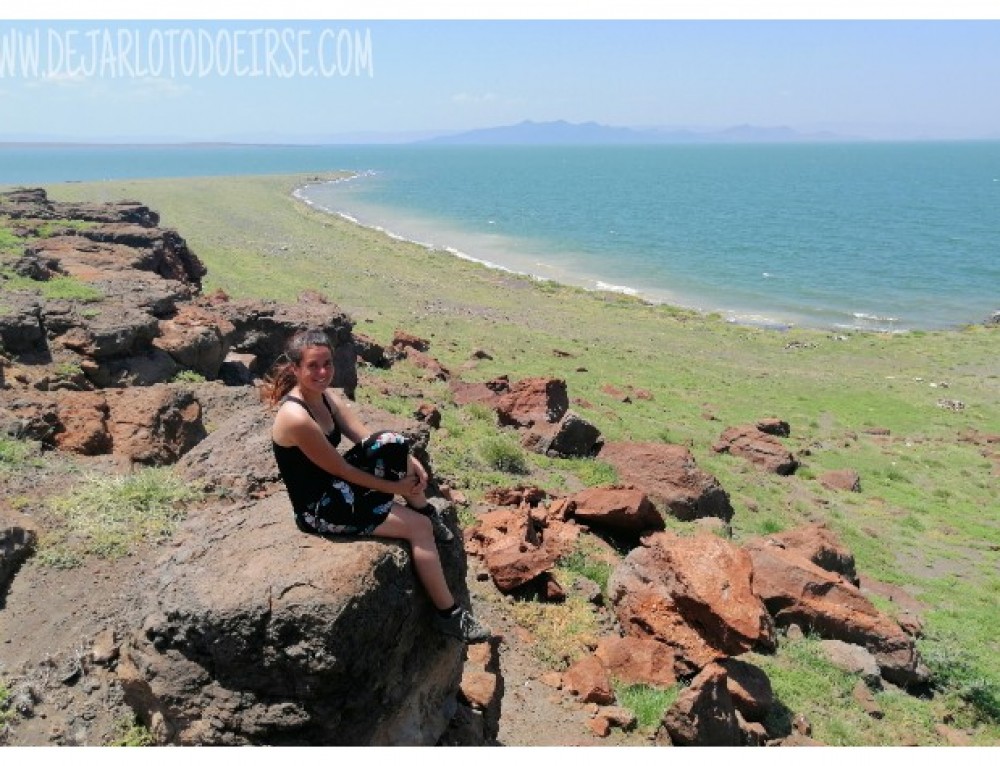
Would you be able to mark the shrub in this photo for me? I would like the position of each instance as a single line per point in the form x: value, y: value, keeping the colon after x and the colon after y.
x: 188, y: 376
x: 503, y: 455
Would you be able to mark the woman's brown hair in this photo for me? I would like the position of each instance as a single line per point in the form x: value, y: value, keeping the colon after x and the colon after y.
x: 281, y: 379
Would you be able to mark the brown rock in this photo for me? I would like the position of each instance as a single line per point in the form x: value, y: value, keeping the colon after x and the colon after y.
x: 774, y: 426
x: 402, y: 340
x: 852, y: 658
x: 619, y: 717
x: 820, y: 545
x: 18, y: 537
x: 704, y: 713
x: 801, y: 725
x: 570, y: 436
x: 195, y: 337
x: 599, y: 725
x: 516, y: 496
x: 478, y: 689
x: 428, y: 414
x: 864, y: 697
x: 154, y: 425
x: 693, y: 594
x: 83, y: 423
x: 487, y: 393
x: 427, y: 363
x: 750, y: 689
x: 797, y: 591
x: 637, y: 660
x: 759, y: 448
x: 531, y: 401
x: 667, y: 473
x: 513, y: 562
x: 618, y: 508
x: 105, y: 648
x: 843, y: 479
x: 588, y: 680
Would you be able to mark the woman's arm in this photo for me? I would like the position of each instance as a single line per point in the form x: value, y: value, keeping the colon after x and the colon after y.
x: 293, y: 428
x: 352, y: 427
x: 347, y: 420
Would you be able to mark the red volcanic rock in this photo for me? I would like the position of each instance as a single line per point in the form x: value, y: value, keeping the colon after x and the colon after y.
x: 429, y: 414
x: 196, y: 339
x: 531, y: 401
x: 487, y: 393
x: 588, y: 681
x: 845, y: 479
x: 704, y: 713
x: 513, y: 563
x: 625, y: 509
x: 402, y: 339
x: 637, y: 660
x: 83, y: 423
x: 694, y: 594
x: 797, y: 592
x: 425, y: 362
x: 750, y: 689
x: 759, y: 448
x: 774, y: 426
x: 570, y: 436
x: 519, y: 495
x: 820, y: 545
x: 669, y: 476
x: 154, y: 425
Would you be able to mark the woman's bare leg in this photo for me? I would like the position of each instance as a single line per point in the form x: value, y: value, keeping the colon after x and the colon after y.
x: 404, y: 524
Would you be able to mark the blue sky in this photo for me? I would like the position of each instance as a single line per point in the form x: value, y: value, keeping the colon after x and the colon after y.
x: 105, y: 79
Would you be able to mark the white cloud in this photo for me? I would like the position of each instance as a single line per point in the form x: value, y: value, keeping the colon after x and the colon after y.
x: 474, y: 98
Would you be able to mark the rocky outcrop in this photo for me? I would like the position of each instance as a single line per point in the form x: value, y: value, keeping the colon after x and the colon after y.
x: 669, y: 476
x: 257, y: 634
x: 695, y: 594
x: 153, y: 425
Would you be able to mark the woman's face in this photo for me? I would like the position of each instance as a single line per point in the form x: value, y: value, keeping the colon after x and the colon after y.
x: 315, y: 370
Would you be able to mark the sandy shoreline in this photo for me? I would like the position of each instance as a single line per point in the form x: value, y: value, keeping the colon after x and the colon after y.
x: 521, y: 264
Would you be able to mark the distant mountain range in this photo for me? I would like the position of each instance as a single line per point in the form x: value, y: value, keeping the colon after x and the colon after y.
x: 562, y: 132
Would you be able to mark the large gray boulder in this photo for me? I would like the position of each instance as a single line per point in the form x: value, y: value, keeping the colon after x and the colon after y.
x: 256, y: 633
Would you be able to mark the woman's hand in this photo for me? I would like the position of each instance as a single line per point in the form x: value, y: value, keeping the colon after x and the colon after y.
x: 418, y: 473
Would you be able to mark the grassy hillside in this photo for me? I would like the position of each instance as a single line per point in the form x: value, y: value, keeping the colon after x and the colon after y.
x: 928, y: 516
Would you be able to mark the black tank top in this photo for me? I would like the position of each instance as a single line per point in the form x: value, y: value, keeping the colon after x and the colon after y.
x: 305, y: 481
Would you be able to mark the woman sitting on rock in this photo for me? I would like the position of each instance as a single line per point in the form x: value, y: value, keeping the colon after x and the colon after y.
x: 353, y: 494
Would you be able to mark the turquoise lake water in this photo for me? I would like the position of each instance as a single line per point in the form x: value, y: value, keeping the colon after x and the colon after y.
x: 880, y: 236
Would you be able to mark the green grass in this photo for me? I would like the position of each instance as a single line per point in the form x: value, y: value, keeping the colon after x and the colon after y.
x: 584, y: 561
x: 18, y: 454
x: 503, y: 454
x: 647, y: 703
x: 922, y: 520
x: 108, y: 516
x: 57, y: 288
